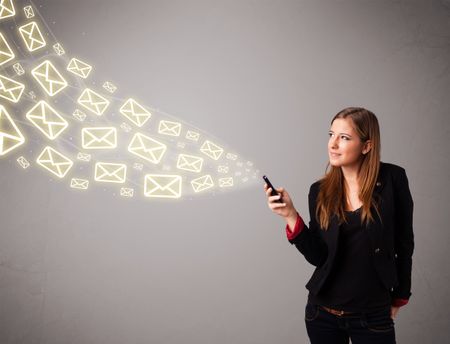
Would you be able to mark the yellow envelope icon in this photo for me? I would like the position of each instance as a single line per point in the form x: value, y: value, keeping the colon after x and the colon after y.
x: 83, y: 157
x: 222, y: 169
x: 10, y: 89
x: 110, y: 173
x: 55, y: 162
x: 189, y: 163
x: 109, y: 87
x: 138, y: 166
x: 79, y: 115
x: 126, y: 192
x: 169, y: 128
x: 6, y: 54
x: 32, y: 36
x: 6, y: 9
x: 59, y: 50
x: 93, y: 101
x: 126, y: 127
x: 212, y: 150
x: 80, y: 68
x: 18, y: 68
x: 29, y: 13
x: 77, y: 183
x: 23, y: 162
x: 225, y: 182
x: 135, y: 112
x: 162, y: 185
x: 192, y: 135
x: 99, y: 138
x: 147, y: 148
x: 49, y: 78
x: 10, y: 135
x: 231, y: 156
x: 47, y: 120
x: 202, y: 183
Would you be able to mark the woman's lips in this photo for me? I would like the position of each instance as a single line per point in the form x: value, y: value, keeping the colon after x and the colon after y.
x: 334, y: 155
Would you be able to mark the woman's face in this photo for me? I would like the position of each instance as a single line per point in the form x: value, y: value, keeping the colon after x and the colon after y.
x: 344, y: 146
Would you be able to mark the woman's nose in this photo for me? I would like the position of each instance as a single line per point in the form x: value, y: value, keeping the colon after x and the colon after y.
x: 334, y: 143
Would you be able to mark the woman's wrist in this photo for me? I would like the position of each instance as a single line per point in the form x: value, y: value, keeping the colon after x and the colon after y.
x: 291, y: 219
x: 292, y: 215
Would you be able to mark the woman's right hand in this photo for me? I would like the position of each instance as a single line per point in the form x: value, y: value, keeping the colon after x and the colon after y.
x: 285, y: 209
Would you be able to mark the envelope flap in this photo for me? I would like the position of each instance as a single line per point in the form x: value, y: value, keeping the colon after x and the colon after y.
x: 57, y: 158
x: 160, y: 181
x: 100, y: 134
x: 53, y: 75
x: 7, y: 126
x: 4, y: 47
x: 28, y: 28
x: 111, y: 170
x: 96, y: 98
x: 138, y: 110
x: 9, y: 84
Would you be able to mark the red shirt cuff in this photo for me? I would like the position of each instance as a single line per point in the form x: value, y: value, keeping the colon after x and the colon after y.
x: 299, y: 225
x: 399, y: 302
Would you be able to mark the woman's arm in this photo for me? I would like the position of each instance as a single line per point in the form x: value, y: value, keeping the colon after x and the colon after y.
x: 308, y: 240
x: 403, y: 235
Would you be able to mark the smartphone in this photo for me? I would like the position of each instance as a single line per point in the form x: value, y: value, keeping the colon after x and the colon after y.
x: 274, y: 191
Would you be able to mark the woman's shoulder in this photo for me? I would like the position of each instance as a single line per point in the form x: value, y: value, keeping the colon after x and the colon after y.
x: 387, y: 168
x: 315, y: 187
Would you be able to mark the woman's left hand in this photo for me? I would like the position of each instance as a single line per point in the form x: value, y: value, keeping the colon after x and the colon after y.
x: 394, y: 311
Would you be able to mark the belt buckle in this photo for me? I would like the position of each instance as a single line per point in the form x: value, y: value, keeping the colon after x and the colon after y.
x: 339, y: 313
x: 334, y: 311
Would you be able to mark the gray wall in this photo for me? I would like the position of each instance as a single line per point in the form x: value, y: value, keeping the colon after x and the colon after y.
x: 266, y: 77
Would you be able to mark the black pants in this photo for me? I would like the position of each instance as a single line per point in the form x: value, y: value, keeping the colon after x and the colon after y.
x: 375, y: 327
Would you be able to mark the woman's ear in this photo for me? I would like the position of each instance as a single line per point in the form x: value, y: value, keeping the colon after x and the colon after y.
x: 367, y: 147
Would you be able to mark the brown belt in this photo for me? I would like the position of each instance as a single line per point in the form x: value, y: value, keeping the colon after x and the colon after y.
x: 335, y: 311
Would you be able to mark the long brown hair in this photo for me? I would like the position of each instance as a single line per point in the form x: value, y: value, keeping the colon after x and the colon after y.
x: 332, y: 195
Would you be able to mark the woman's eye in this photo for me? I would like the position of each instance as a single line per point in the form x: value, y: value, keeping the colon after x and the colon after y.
x: 345, y: 137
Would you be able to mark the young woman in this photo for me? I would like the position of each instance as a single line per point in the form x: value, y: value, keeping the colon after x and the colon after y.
x: 359, y: 238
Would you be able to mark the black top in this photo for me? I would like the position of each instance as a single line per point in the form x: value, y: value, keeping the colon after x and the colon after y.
x: 353, y: 284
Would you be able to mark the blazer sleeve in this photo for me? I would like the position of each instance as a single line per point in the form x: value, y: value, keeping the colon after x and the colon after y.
x: 403, y: 235
x: 309, y: 242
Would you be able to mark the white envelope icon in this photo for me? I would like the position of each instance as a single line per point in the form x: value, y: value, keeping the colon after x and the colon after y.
x: 77, y: 183
x: 80, y: 68
x: 93, y: 101
x: 192, y: 135
x: 110, y: 173
x: 47, y: 120
x: 169, y: 128
x: 202, y: 183
x: 225, y: 182
x: 10, y: 89
x: 162, y: 185
x: 49, y: 78
x: 29, y: 13
x: 32, y: 36
x: 147, y: 148
x: 83, y: 157
x: 189, y: 163
x: 99, y: 138
x: 212, y: 150
x: 126, y: 192
x: 6, y: 9
x: 135, y: 112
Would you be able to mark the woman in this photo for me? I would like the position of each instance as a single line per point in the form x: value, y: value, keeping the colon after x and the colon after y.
x: 359, y: 237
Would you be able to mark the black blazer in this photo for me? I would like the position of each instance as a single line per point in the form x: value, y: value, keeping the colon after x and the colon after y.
x: 392, y: 241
